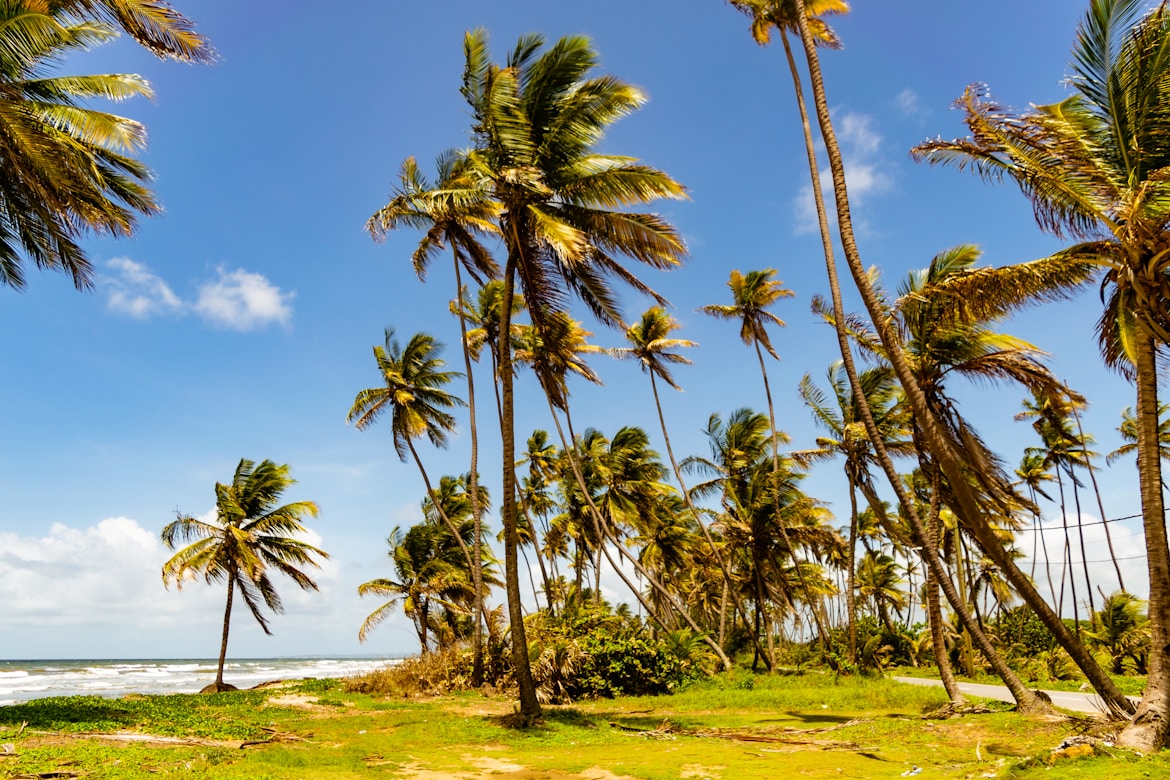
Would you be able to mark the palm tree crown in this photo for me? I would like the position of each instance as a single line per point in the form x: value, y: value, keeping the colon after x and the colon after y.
x: 413, y: 391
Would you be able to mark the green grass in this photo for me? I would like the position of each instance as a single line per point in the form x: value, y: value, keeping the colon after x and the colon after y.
x: 733, y: 727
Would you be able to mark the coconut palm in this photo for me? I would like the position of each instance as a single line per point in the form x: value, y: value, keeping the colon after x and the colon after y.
x: 651, y: 346
x: 248, y: 537
x: 537, y: 120
x: 1129, y: 434
x: 453, y: 212
x: 846, y: 436
x: 432, y: 572
x: 879, y: 582
x: 1092, y: 165
x: 752, y: 294
x: 412, y: 391
x: 1033, y: 472
x: 427, y: 579
x: 952, y: 463
x: 68, y: 168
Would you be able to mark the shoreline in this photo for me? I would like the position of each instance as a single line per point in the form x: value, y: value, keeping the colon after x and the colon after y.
x: 22, y: 681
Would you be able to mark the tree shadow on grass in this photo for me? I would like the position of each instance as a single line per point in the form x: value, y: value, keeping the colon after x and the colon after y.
x: 67, y: 713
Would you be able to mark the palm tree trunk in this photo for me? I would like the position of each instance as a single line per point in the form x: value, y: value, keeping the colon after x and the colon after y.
x: 227, y: 620
x: 822, y: 634
x: 1084, y: 555
x: 1025, y: 699
x: 1068, y: 561
x: 724, y: 569
x: 472, y: 488
x: 1148, y: 729
x: 1097, y: 493
x: 934, y: 616
x: 851, y: 588
x: 440, y: 511
x: 529, y: 706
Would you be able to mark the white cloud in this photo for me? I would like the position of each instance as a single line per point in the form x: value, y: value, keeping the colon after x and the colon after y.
x: 136, y: 291
x: 237, y: 300
x: 1128, y: 545
x: 907, y: 102
x: 99, y: 590
x: 865, y: 172
x: 241, y: 300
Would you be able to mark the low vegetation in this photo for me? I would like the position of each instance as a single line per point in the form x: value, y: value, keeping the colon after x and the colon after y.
x: 731, y: 725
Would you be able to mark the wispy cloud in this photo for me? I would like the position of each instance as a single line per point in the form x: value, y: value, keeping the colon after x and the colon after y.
x: 134, y: 290
x: 241, y: 300
x: 866, y: 171
x: 907, y: 102
x: 236, y: 300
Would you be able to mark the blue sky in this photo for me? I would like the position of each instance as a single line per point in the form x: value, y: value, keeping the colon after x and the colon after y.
x: 240, y: 323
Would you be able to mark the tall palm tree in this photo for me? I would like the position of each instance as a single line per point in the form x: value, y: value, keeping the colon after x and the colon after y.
x: 846, y: 436
x: 1033, y: 472
x: 453, y: 212
x: 412, y: 391
x: 1092, y: 167
x: 537, y: 121
x: 873, y: 304
x: 248, y: 537
x: 651, y: 346
x: 752, y: 294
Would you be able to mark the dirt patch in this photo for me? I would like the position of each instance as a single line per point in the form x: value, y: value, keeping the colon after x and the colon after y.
x: 43, y: 739
x: 296, y: 700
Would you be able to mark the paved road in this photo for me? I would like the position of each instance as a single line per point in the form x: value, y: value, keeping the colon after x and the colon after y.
x: 1068, y: 700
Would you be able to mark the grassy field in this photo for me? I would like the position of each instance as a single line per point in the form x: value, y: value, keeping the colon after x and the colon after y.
x: 735, y: 727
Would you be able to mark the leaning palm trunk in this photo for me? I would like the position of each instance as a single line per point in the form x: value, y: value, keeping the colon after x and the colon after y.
x: 603, y: 537
x: 851, y: 588
x: 934, y: 616
x: 930, y: 551
x: 1025, y: 699
x: 439, y: 509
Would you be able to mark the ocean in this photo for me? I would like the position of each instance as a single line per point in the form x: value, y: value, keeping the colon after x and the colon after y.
x: 25, y: 680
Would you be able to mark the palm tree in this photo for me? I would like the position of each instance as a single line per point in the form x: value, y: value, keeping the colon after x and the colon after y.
x: 652, y: 348
x: 426, y: 579
x: 154, y: 24
x: 1092, y: 166
x: 413, y: 393
x: 537, y: 120
x: 951, y: 462
x: 752, y: 294
x: 248, y: 536
x: 68, y: 169
x: 1033, y: 472
x: 879, y: 582
x: 846, y: 436
x: 1129, y: 433
x: 764, y: 514
x: 429, y: 563
x: 452, y: 212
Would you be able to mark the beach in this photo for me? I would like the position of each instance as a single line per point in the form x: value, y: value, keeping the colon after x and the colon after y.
x: 23, y: 680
